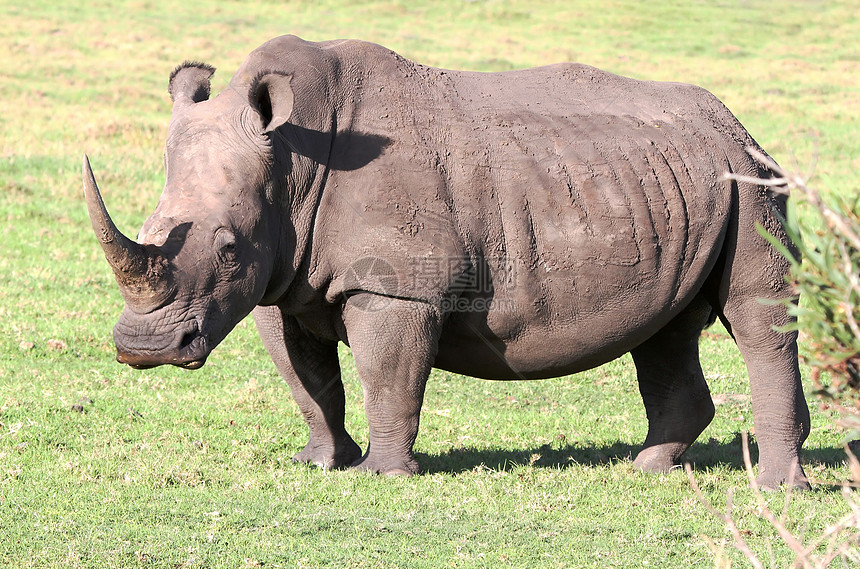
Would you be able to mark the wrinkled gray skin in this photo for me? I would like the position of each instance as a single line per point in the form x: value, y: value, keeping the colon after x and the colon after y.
x: 516, y: 225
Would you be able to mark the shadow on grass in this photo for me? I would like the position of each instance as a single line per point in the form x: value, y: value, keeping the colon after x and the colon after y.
x: 702, y: 455
x: 461, y: 460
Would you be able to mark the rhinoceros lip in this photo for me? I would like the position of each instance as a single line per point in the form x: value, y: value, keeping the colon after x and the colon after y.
x: 192, y: 364
x: 143, y: 366
x: 195, y: 364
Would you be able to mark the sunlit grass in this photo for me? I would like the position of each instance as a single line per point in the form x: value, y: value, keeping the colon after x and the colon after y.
x: 104, y: 466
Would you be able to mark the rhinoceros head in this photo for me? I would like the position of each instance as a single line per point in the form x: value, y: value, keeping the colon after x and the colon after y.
x: 204, y: 258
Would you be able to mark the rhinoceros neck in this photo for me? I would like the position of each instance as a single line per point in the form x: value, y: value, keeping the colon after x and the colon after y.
x: 300, y: 174
x: 326, y: 136
x: 301, y: 150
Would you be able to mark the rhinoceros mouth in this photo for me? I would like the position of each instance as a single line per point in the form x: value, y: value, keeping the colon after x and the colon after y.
x: 186, y: 349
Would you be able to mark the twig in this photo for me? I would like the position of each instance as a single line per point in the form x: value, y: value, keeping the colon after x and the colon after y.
x: 779, y: 185
x: 789, y: 539
x: 834, y: 533
x: 726, y: 518
x: 786, y: 182
x: 792, y: 180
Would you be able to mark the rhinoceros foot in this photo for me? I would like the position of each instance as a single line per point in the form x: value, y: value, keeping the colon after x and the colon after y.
x: 772, y: 479
x: 390, y: 466
x: 660, y: 459
x: 340, y: 455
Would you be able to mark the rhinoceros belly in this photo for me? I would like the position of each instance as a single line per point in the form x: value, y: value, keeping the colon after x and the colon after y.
x: 533, y: 338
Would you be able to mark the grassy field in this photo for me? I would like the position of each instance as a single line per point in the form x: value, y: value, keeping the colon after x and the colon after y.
x: 104, y: 466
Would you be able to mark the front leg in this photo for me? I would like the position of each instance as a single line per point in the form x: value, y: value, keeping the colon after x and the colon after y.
x: 311, y: 368
x: 394, y: 345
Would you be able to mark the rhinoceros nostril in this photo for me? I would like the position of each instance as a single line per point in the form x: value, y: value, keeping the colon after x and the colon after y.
x: 187, y: 338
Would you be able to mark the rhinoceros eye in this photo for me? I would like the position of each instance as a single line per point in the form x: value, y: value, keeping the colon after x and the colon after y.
x: 225, y: 244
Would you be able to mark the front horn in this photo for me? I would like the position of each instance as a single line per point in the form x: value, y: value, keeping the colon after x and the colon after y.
x: 141, y: 272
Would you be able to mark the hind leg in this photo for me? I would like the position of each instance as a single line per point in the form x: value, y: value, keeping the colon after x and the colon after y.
x: 780, y: 413
x: 677, y: 400
x: 751, y: 286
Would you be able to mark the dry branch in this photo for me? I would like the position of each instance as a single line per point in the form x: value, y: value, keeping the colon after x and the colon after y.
x: 842, y: 538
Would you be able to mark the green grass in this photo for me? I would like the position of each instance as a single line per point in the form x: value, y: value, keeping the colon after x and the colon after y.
x: 169, y: 468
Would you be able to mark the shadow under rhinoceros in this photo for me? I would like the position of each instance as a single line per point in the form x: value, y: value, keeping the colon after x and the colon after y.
x: 458, y: 461
x: 702, y: 456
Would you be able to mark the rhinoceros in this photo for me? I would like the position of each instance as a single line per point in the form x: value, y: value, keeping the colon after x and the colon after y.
x: 514, y: 225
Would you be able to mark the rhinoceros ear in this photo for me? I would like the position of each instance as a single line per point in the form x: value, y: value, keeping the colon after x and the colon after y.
x: 272, y: 97
x: 190, y: 81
